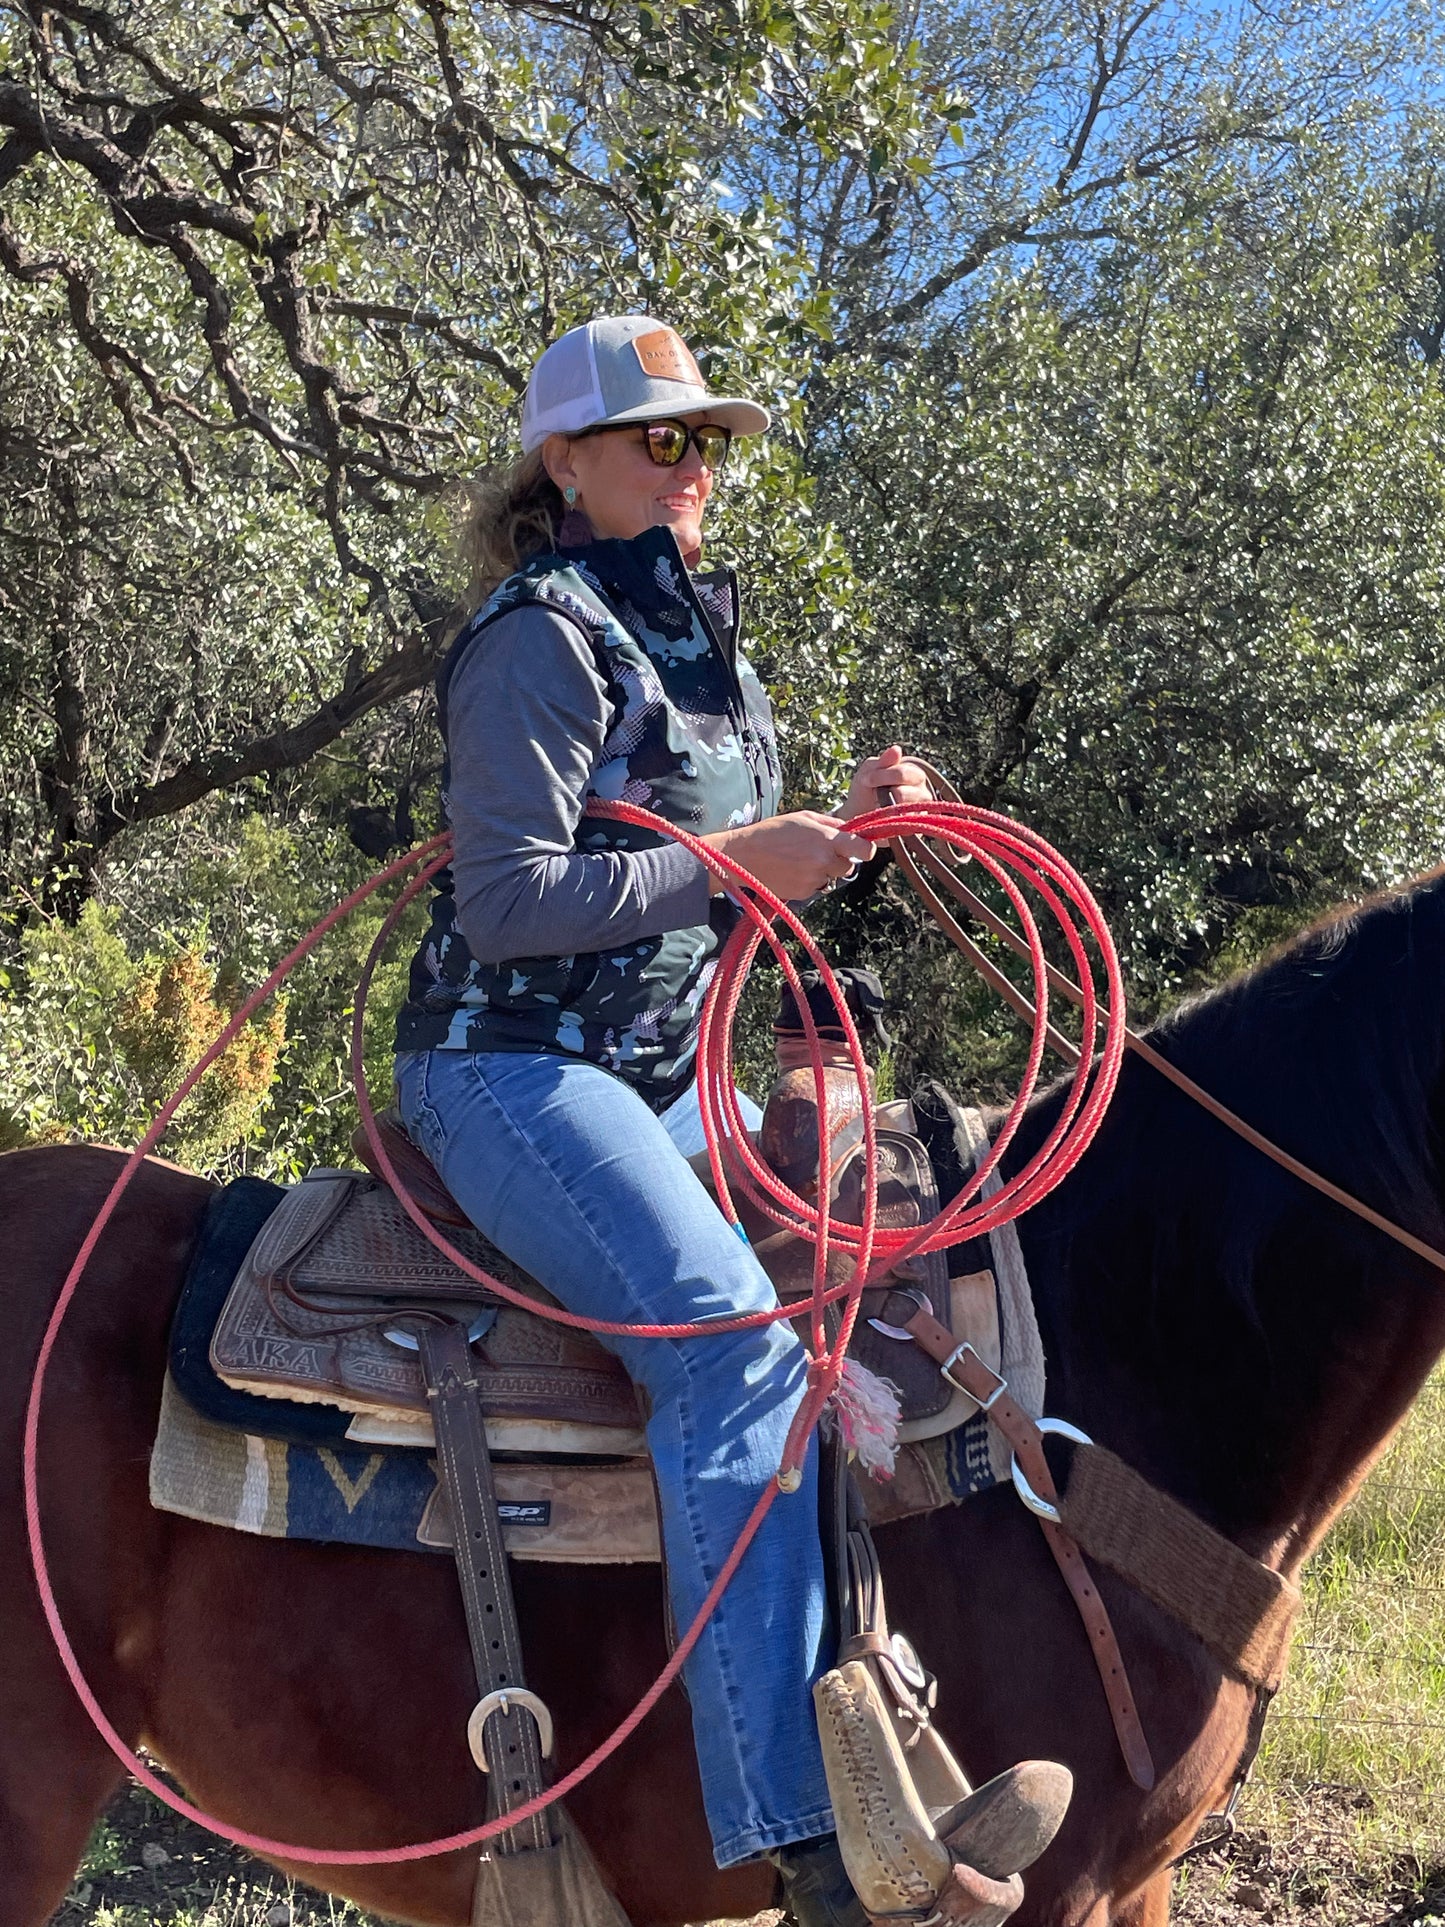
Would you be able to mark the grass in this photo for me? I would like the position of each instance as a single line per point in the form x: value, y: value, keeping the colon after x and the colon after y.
x: 146, y: 1865
x: 1344, y: 1818
x: 1363, y: 1706
x: 1342, y: 1824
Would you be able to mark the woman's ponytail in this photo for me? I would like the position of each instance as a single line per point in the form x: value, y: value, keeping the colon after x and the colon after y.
x: 507, y: 514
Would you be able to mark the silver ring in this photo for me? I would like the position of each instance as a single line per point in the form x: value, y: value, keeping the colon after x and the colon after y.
x: 1052, y: 1428
x: 409, y: 1342
x: 920, y: 1303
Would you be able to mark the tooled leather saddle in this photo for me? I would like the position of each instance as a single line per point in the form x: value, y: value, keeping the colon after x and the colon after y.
x: 318, y: 1312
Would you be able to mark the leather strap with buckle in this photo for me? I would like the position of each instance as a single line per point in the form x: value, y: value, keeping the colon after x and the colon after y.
x: 962, y: 1367
x: 510, y: 1730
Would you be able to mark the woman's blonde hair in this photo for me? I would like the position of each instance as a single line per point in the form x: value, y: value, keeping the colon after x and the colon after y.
x: 506, y: 515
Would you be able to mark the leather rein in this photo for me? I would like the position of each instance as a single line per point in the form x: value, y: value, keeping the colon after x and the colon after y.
x: 915, y: 859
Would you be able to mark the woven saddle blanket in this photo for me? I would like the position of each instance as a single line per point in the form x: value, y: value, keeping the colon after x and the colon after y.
x: 249, y: 1439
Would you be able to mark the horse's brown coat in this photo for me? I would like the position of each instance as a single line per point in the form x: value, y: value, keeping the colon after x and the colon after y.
x: 1233, y: 1336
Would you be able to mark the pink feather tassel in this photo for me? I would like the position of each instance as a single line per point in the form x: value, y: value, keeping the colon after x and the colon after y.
x: 867, y: 1412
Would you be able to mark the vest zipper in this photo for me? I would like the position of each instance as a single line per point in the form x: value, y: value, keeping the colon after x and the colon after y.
x: 729, y: 652
x: 729, y: 655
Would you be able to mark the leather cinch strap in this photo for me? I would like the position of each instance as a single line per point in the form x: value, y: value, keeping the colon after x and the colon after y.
x: 1241, y: 1610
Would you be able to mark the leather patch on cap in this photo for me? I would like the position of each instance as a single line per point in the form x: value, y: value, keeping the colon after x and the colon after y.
x: 666, y: 357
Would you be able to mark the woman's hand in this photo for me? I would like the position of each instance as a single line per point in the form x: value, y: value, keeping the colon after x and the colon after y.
x: 794, y: 855
x: 891, y: 771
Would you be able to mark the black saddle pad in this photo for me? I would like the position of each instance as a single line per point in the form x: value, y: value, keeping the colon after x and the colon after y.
x: 233, y: 1218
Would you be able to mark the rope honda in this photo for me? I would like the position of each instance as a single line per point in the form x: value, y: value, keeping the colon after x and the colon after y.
x: 1017, y: 861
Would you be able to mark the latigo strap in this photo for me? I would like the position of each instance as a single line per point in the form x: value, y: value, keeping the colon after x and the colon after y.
x: 539, y: 1872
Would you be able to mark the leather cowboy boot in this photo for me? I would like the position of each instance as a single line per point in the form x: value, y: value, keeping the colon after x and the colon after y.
x: 997, y: 1830
x: 816, y: 1889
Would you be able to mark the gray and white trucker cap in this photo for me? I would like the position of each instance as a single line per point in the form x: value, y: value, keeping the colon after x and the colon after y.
x: 623, y: 368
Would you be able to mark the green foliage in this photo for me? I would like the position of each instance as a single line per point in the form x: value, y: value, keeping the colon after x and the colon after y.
x: 105, y: 1853
x: 98, y: 1026
x: 58, y: 1073
x: 1108, y: 469
x: 1162, y: 571
x: 98, y: 1039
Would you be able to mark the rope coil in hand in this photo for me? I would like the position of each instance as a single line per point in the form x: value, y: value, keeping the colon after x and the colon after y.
x: 1018, y: 862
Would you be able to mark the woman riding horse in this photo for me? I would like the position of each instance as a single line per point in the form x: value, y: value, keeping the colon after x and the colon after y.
x: 546, y: 1054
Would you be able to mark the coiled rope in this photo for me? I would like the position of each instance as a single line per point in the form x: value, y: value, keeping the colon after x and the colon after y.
x: 1017, y: 861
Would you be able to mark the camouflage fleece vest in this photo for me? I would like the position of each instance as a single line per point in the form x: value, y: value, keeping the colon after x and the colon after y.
x: 690, y: 737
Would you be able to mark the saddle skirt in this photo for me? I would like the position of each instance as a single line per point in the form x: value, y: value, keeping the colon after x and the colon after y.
x: 324, y: 1310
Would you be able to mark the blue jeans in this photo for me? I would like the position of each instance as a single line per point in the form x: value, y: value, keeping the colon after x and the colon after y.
x: 568, y: 1171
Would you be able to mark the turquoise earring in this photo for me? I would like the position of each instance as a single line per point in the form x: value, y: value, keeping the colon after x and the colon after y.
x: 569, y: 496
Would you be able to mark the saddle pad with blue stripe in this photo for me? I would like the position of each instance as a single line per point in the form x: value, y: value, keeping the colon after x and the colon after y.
x: 289, y: 1470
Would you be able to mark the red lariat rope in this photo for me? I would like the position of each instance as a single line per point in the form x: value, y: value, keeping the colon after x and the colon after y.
x: 1016, y: 860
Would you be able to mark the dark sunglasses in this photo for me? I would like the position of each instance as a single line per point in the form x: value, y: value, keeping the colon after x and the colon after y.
x: 667, y: 441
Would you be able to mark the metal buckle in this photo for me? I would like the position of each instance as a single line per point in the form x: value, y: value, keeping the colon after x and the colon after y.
x: 909, y: 1665
x: 503, y: 1702
x: 1052, y: 1428
x: 984, y: 1404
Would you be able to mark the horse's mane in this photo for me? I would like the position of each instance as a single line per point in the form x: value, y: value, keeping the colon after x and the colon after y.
x: 1333, y: 1045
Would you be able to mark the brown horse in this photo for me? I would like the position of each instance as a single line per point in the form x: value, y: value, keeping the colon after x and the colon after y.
x: 1242, y: 1342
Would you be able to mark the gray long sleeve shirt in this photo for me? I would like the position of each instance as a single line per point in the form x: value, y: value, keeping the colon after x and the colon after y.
x: 527, y: 716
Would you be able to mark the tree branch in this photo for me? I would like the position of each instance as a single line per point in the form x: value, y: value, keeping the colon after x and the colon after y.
x: 15, y: 155
x: 446, y: 326
x: 403, y: 671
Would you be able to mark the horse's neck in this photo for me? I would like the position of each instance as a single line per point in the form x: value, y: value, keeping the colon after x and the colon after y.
x: 1240, y: 1339
x: 1264, y: 1423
